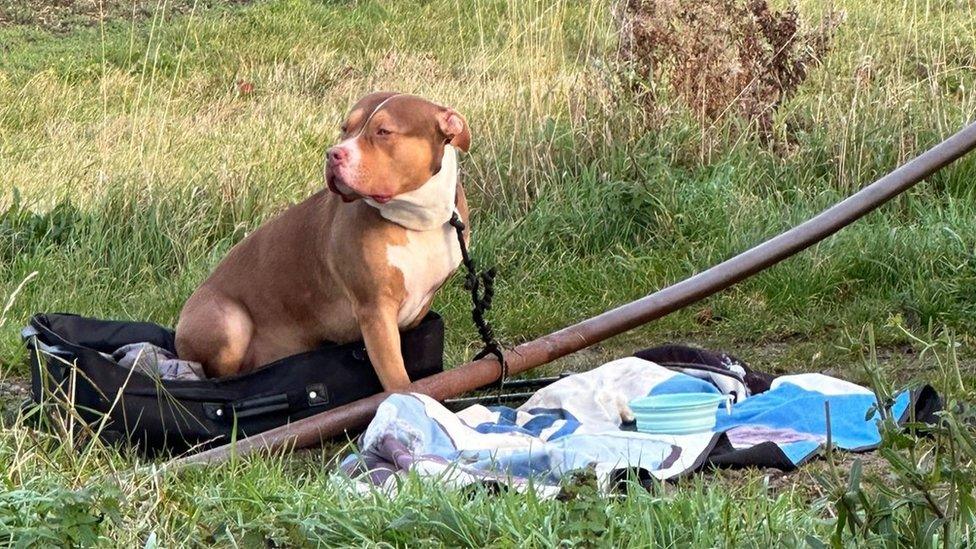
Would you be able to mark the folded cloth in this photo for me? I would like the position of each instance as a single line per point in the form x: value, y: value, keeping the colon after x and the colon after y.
x: 582, y: 422
x: 157, y: 362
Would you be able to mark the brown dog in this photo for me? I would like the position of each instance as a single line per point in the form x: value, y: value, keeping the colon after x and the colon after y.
x: 361, y: 261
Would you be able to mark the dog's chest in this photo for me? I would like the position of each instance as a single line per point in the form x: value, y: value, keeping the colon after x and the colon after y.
x: 425, y: 260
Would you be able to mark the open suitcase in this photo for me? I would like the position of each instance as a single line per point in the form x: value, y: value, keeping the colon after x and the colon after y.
x: 70, y: 364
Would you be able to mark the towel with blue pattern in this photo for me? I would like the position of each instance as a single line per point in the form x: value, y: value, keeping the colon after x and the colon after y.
x: 582, y: 422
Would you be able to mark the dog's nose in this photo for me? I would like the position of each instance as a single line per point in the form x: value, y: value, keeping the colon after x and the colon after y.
x: 338, y: 155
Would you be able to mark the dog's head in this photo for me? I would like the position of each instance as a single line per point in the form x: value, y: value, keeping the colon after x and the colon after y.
x: 392, y: 143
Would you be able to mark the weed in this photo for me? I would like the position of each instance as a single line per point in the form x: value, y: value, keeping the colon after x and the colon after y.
x: 925, y: 498
x: 722, y: 56
x: 587, y: 521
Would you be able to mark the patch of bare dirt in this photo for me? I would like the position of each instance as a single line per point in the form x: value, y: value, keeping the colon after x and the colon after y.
x: 61, y: 16
x: 13, y: 392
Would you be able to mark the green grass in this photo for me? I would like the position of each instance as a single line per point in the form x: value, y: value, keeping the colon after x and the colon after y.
x: 131, y: 163
x: 255, y: 501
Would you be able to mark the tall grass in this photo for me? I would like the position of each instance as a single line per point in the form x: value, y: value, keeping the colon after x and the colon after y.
x: 137, y: 160
x: 133, y: 159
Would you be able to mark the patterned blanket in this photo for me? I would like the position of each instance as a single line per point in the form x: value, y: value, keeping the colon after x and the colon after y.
x: 583, y: 422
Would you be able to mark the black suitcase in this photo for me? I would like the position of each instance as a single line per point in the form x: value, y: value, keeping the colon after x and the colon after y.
x: 156, y: 415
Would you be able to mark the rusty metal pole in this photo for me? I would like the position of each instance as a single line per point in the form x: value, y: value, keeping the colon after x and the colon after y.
x: 474, y: 375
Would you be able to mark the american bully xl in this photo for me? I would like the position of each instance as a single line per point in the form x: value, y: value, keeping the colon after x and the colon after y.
x: 362, y: 259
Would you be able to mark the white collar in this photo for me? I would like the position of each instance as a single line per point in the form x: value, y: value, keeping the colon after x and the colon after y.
x: 429, y: 206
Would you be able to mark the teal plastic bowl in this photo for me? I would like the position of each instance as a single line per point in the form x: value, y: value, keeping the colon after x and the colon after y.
x: 677, y: 413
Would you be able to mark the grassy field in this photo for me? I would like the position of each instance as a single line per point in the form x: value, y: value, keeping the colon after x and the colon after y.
x: 133, y: 158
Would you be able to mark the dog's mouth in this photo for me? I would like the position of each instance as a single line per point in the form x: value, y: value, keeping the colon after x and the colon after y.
x: 345, y: 191
x: 337, y: 184
x: 339, y: 187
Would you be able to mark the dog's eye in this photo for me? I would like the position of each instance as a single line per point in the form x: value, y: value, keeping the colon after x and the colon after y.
x: 383, y: 131
x: 343, y: 128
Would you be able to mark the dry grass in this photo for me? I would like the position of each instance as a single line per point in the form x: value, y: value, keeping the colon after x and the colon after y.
x: 159, y: 119
x: 721, y: 57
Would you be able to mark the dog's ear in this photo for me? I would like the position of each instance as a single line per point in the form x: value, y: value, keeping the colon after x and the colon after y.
x: 455, y: 129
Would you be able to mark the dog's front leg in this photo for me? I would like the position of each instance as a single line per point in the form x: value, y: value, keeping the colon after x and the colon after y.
x: 378, y: 324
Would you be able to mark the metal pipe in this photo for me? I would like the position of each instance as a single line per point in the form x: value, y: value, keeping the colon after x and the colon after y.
x: 473, y: 375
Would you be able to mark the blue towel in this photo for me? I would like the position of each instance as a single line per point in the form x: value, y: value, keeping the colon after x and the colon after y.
x: 579, y: 422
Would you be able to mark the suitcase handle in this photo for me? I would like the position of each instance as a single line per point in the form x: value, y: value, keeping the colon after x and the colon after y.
x: 248, y: 407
